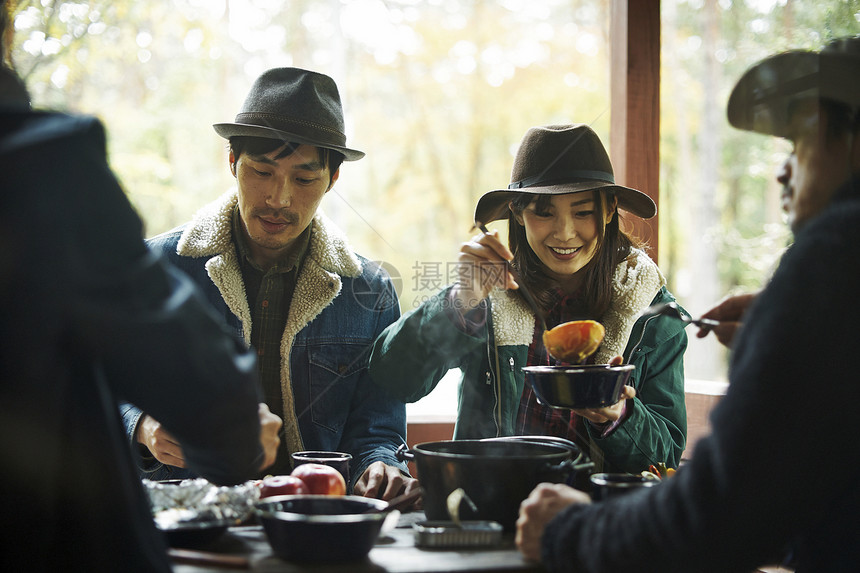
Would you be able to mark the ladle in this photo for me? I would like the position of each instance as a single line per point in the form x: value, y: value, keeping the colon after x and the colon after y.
x: 672, y: 309
x: 393, y: 509
x: 455, y: 498
x: 398, y: 502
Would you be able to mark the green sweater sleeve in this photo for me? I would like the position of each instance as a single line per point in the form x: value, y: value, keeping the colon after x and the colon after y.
x: 414, y: 353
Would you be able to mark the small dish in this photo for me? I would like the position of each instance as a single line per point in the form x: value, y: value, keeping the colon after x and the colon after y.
x: 448, y: 534
x: 194, y: 534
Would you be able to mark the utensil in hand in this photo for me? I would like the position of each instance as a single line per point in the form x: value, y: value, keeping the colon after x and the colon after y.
x: 398, y: 502
x: 393, y: 509
x: 672, y: 309
x: 523, y: 288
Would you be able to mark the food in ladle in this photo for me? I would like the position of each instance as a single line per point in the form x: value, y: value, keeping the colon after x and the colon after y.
x: 574, y: 341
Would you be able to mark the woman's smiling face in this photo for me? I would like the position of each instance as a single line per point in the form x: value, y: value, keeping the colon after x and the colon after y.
x: 564, y: 234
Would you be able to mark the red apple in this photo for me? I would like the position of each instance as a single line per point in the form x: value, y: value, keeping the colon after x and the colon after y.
x: 282, y: 485
x: 320, y: 479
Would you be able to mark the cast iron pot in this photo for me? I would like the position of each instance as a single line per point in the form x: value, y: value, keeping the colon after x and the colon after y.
x: 496, y: 474
x: 195, y: 534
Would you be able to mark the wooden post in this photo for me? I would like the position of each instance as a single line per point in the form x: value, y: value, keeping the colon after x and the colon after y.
x: 634, y: 137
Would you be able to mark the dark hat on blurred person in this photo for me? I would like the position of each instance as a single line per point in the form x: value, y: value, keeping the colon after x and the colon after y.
x: 293, y: 105
x: 558, y: 159
x: 762, y: 99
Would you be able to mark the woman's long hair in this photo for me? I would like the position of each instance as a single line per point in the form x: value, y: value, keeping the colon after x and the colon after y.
x: 613, y: 246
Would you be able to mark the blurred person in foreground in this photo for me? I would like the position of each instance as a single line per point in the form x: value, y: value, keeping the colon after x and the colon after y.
x: 565, y: 239
x: 91, y: 316
x: 777, y: 480
x: 287, y: 281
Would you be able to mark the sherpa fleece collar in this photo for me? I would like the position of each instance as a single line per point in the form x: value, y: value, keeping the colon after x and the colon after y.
x: 636, y: 282
x: 209, y: 233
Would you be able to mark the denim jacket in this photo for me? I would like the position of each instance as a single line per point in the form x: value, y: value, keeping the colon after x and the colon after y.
x: 341, y: 303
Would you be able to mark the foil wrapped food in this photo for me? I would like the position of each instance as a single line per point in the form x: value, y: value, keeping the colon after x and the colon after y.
x: 177, y: 503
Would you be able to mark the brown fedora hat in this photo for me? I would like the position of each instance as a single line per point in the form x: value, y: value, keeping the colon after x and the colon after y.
x: 294, y: 105
x: 763, y: 96
x: 558, y: 159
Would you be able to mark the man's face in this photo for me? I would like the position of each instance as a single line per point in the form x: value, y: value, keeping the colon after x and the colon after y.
x: 278, y: 198
x: 816, y: 167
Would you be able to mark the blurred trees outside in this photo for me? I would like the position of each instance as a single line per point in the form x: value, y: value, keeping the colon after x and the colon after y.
x: 438, y: 93
x: 721, y: 225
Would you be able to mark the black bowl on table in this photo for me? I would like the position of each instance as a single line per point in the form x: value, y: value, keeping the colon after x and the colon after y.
x: 575, y: 387
x: 321, y: 528
x: 195, y: 534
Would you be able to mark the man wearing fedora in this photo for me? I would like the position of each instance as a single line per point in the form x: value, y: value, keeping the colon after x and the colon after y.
x: 777, y: 480
x: 286, y: 280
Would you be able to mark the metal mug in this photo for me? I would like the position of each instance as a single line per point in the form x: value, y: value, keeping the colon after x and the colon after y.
x: 609, y: 485
x: 338, y: 460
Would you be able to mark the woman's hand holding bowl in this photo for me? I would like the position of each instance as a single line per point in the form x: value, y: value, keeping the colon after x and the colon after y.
x: 609, y: 413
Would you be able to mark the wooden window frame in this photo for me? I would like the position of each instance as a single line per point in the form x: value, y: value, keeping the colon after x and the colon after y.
x: 634, y: 133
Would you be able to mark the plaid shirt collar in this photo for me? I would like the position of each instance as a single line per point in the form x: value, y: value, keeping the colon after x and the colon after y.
x: 534, y: 418
x: 269, y: 293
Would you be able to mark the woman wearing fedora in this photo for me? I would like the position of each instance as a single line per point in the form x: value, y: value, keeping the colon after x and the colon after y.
x: 566, y: 244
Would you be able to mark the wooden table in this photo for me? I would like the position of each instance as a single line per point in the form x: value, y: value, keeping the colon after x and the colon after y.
x: 394, y: 552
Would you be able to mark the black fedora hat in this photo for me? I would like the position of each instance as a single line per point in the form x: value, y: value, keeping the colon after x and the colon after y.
x: 294, y: 105
x: 558, y: 159
x: 762, y: 98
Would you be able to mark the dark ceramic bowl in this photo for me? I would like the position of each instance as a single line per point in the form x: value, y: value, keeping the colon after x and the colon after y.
x: 193, y: 534
x: 574, y: 387
x: 321, y: 528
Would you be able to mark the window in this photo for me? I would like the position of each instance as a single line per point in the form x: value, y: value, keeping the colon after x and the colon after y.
x: 438, y: 93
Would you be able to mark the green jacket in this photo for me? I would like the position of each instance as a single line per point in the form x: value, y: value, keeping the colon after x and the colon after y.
x: 414, y: 353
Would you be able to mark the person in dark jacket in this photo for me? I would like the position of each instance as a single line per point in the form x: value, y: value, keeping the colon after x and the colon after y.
x: 566, y: 243
x: 778, y: 480
x: 91, y: 316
